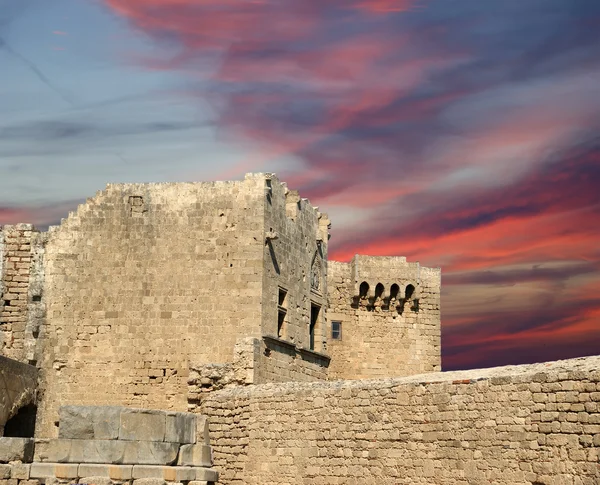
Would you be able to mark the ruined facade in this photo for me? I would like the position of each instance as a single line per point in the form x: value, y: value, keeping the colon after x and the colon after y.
x: 162, y: 330
x: 146, y: 283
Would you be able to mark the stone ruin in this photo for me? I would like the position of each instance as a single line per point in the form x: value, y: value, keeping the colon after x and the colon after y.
x: 156, y: 315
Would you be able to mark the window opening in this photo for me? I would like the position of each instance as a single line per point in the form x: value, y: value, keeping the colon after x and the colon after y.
x: 336, y: 330
x: 281, y: 312
x: 314, y: 319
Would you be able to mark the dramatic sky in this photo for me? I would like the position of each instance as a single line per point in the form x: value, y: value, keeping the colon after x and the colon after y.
x: 460, y: 133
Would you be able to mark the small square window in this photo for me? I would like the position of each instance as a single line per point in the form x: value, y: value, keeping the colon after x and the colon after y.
x: 336, y: 330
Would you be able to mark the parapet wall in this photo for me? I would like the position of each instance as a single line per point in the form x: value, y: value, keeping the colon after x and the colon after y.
x: 518, y: 425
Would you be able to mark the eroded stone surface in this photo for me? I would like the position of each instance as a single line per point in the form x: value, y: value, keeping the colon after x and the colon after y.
x: 89, y: 422
x: 18, y: 384
x: 16, y: 449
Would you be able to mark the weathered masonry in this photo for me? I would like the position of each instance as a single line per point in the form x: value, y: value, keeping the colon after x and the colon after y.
x: 163, y: 324
x: 168, y: 291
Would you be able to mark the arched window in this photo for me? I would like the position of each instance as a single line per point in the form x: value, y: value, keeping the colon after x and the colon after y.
x: 394, y: 290
x: 364, y: 290
x: 410, y: 289
x: 379, y: 289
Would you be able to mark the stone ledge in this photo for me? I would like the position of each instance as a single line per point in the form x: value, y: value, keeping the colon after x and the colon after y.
x: 123, y: 473
x: 323, y: 359
x: 315, y: 355
x: 119, y: 452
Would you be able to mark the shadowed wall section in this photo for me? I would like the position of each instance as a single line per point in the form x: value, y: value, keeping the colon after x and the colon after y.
x: 17, y: 388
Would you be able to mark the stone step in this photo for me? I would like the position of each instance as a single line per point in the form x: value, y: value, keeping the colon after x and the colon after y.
x: 109, y: 451
x: 121, y: 423
x: 122, y: 472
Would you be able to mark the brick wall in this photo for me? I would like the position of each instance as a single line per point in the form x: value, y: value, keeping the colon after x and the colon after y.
x: 517, y: 425
x: 388, y: 334
x: 21, y: 280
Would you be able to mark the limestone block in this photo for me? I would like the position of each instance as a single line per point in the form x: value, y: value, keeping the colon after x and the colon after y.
x: 180, y: 427
x: 84, y: 451
x: 149, y: 481
x: 20, y: 471
x: 202, y: 435
x: 111, y: 452
x: 16, y: 449
x: 168, y: 473
x: 195, y: 455
x: 65, y: 470
x: 206, y: 474
x: 5, y: 472
x: 89, y: 422
x: 151, y: 453
x: 114, y: 472
x: 42, y: 470
x: 95, y: 480
x: 143, y: 425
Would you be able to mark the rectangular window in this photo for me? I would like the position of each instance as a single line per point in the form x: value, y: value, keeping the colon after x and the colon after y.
x: 281, y: 312
x: 314, y: 320
x: 336, y: 330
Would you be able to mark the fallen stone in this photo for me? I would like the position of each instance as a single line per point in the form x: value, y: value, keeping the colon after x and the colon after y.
x: 118, y: 452
x: 202, y: 435
x: 195, y: 455
x: 89, y: 422
x: 16, y: 449
x: 180, y: 427
x: 142, y: 425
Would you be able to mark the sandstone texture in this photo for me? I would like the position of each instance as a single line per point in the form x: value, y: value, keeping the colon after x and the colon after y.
x: 516, y: 425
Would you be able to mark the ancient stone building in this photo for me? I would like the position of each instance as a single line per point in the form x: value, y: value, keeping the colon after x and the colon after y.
x: 191, y: 333
x: 229, y: 280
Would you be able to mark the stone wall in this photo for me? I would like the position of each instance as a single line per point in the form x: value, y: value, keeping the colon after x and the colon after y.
x: 145, y: 279
x: 142, y: 280
x: 21, y: 281
x: 295, y: 256
x: 255, y: 361
x: 18, y: 384
x: 386, y: 331
x: 518, y: 425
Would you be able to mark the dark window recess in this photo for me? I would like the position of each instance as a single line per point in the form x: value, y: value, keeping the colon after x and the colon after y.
x: 280, y: 323
x: 336, y: 330
x: 281, y: 312
x: 22, y: 424
x: 314, y: 319
x: 282, y: 295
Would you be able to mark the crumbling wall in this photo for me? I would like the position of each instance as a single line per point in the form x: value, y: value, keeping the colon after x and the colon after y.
x: 142, y: 280
x: 255, y: 361
x: 18, y: 383
x: 393, y: 329
x: 21, y: 282
x: 295, y: 257
x: 517, y: 425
